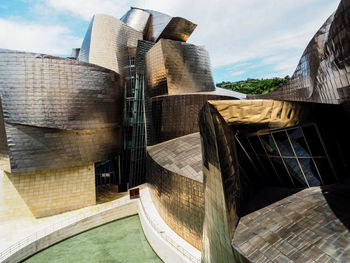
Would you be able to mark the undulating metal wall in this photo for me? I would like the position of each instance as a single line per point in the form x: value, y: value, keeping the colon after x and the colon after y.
x: 221, y: 186
x: 173, y: 116
x: 263, y: 145
x: 137, y: 19
x: 323, y: 73
x: 179, y: 29
x: 179, y: 83
x: 178, y: 193
x: 108, y: 42
x: 174, y: 67
x: 58, y: 112
x: 156, y: 25
x: 85, y: 46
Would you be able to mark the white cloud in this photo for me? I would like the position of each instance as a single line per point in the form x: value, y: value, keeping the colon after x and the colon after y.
x: 87, y: 8
x: 36, y: 38
x: 274, y: 32
x: 233, y: 31
x: 237, y: 73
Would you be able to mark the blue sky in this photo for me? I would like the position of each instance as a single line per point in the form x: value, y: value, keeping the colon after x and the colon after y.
x: 245, y: 38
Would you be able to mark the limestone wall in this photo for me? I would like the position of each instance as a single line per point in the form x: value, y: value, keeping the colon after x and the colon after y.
x: 50, y: 192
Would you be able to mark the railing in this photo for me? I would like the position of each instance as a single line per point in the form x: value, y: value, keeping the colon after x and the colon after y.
x: 171, y: 241
x: 56, y: 226
x: 5, y: 254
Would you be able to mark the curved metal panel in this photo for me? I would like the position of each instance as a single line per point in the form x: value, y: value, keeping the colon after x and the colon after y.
x: 36, y: 148
x: 53, y: 92
x: 137, y: 19
x: 169, y: 117
x: 85, y: 47
x: 57, y: 112
x: 174, y: 67
x: 323, y: 73
x: 178, y: 199
x: 179, y: 29
x: 156, y: 25
x: 158, y: 21
x: 265, y: 114
x: 221, y: 186
x: 111, y: 42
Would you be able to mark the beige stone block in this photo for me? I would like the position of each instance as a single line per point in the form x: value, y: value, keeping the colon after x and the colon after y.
x: 55, y: 191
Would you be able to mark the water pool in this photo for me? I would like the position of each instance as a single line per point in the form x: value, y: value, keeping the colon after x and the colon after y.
x: 119, y: 241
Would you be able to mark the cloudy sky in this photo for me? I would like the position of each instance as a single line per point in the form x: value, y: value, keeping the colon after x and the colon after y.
x: 245, y: 38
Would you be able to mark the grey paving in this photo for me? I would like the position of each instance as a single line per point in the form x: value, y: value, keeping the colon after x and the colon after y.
x: 309, y: 226
x: 181, y: 155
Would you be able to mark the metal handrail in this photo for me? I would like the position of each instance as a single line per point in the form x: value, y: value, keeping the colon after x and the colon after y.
x: 6, y: 253
x: 171, y: 241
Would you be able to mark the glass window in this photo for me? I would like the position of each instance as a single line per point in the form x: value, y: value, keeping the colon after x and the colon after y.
x: 313, y: 140
x: 252, y: 155
x: 325, y: 170
x: 245, y: 162
x: 298, y: 141
x: 281, y: 171
x: 310, y: 171
x: 271, y: 174
x: 254, y: 140
x: 283, y: 143
x: 295, y: 172
x: 269, y: 144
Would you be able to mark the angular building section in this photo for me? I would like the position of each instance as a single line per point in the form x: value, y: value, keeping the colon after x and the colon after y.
x: 322, y: 74
x: 179, y: 82
x: 58, y: 117
x: 174, y: 67
x: 156, y: 25
x: 276, y: 178
x: 274, y: 170
x: 108, y: 43
x: 259, y: 180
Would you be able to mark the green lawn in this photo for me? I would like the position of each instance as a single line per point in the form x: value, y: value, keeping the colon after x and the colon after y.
x: 119, y: 241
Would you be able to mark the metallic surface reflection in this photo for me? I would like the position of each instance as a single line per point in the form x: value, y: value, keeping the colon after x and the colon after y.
x: 174, y: 67
x: 322, y: 74
x: 108, y: 43
x: 57, y: 109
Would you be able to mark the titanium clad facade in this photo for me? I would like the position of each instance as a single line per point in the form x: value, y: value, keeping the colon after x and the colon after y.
x: 176, y: 185
x: 255, y: 154
x: 57, y: 109
x: 179, y: 29
x: 323, y: 73
x: 37, y: 148
x: 169, y: 117
x: 111, y: 42
x: 221, y: 186
x: 85, y: 46
x: 158, y: 21
x: 53, y: 92
x: 137, y: 19
x: 174, y: 67
x: 142, y: 48
x: 156, y: 25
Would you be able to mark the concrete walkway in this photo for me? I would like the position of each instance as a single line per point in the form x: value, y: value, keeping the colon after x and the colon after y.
x: 25, y: 234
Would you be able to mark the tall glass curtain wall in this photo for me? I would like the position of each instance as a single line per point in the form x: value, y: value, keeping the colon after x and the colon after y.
x: 129, y: 93
x: 138, y: 141
x: 107, y: 172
